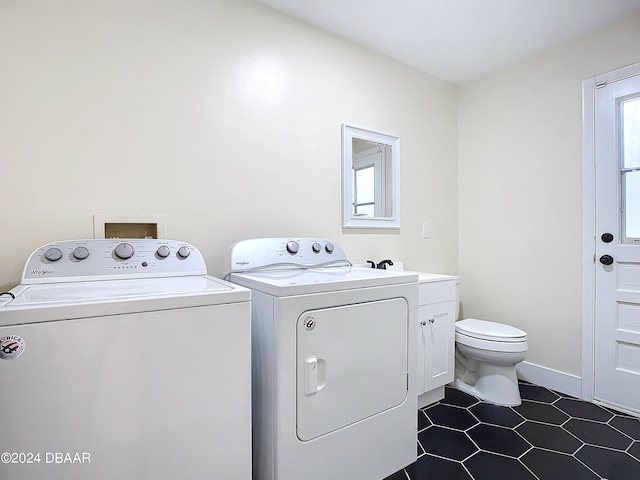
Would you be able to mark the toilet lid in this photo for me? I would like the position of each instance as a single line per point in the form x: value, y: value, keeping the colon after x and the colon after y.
x: 490, y: 330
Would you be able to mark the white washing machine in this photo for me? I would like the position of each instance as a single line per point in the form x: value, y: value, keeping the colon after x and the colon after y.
x: 123, y: 359
x: 334, y: 362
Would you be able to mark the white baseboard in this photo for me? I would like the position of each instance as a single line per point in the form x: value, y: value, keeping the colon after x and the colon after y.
x: 550, y: 378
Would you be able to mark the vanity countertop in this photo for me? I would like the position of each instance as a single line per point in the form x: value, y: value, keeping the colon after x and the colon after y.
x: 433, y: 277
x: 422, y: 276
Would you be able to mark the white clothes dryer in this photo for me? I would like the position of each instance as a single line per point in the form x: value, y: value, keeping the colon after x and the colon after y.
x: 334, y: 362
x: 124, y: 359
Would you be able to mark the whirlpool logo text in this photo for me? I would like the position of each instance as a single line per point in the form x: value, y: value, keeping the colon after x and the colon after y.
x: 41, y: 273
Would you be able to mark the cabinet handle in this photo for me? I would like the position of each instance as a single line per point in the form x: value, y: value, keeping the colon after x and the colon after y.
x: 424, y: 322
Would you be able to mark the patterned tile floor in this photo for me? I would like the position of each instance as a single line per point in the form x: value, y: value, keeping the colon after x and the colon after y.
x: 550, y: 436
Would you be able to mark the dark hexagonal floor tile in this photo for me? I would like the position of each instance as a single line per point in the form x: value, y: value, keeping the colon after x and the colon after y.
x: 582, y: 409
x: 447, y: 443
x: 596, y: 433
x: 488, y: 466
x: 541, y: 412
x: 453, y: 396
x: 399, y: 475
x: 449, y: 416
x: 549, y: 436
x: 429, y: 466
x: 537, y: 393
x: 496, y: 415
x: 498, y: 440
x: 423, y: 420
x: 548, y: 465
x: 628, y: 425
x: 635, y: 450
x: 609, y: 463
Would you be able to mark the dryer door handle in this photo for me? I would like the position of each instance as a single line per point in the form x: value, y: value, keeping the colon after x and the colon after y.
x: 310, y: 376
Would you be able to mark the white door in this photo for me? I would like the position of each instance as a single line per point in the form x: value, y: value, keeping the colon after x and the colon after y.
x: 368, y: 182
x: 617, y: 260
x: 352, y: 364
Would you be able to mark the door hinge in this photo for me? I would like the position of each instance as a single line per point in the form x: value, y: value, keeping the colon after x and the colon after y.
x: 601, y: 84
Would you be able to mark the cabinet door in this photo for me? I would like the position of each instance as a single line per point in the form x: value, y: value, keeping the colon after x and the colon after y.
x: 437, y: 343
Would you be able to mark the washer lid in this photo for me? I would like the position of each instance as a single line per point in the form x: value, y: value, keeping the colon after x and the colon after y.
x: 490, y: 330
x: 112, y: 290
x: 75, y: 300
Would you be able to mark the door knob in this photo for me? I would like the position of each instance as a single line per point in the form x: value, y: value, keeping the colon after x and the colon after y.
x: 606, y: 259
x: 607, y: 237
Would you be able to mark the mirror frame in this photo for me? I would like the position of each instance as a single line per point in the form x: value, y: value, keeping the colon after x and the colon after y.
x: 348, y: 219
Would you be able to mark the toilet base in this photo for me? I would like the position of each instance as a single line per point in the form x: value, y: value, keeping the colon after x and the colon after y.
x: 495, y: 384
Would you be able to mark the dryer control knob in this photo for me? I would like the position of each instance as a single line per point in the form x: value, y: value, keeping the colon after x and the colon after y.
x: 163, y: 251
x: 124, y: 251
x: 53, y: 254
x: 316, y: 247
x: 329, y: 247
x: 183, y: 252
x: 80, y: 253
x: 292, y: 247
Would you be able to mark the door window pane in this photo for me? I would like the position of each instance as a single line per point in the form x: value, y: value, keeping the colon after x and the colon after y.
x: 631, y: 188
x: 631, y: 133
x: 630, y: 168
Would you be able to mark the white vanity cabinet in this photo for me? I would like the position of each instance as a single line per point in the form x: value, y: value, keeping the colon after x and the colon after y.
x: 436, y: 335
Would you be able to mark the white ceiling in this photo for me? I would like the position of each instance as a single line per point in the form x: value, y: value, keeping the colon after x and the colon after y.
x: 458, y: 40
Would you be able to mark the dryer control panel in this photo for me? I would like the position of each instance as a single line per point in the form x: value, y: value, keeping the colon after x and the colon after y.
x: 86, y: 260
x: 261, y: 253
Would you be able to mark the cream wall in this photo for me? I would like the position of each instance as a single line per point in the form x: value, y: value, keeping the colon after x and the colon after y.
x: 224, y: 116
x: 520, y: 187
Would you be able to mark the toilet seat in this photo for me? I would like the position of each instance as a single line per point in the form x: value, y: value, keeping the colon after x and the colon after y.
x: 491, y: 331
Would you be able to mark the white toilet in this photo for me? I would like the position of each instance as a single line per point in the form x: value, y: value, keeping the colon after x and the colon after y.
x: 486, y: 358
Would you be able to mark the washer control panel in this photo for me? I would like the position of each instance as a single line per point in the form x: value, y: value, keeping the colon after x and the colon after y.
x: 261, y: 253
x: 77, y: 260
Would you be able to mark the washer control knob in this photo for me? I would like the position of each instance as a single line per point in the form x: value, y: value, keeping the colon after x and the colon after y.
x: 183, y: 252
x: 292, y: 247
x: 329, y: 247
x: 163, y: 251
x: 316, y: 247
x: 53, y: 254
x: 80, y: 253
x: 124, y: 251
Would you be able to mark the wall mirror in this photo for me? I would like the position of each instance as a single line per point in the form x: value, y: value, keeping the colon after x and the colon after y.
x: 370, y: 179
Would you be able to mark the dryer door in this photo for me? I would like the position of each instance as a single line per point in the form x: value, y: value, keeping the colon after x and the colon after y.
x: 352, y: 363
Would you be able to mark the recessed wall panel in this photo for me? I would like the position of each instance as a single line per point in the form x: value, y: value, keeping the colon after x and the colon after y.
x: 629, y: 277
x: 628, y: 357
x: 628, y: 317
